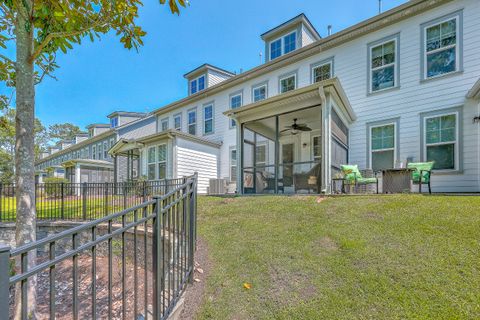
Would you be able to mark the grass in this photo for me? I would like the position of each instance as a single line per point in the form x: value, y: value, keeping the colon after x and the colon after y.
x: 372, y: 257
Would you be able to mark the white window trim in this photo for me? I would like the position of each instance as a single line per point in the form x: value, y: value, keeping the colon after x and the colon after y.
x: 457, y: 46
x: 282, y: 44
x: 395, y: 144
x: 233, y: 95
x: 151, y: 162
x: 158, y: 162
x: 179, y: 115
x: 286, y: 77
x: 394, y: 64
x: 196, y: 80
x: 262, y: 144
x: 194, y: 110
x: 263, y: 85
x: 233, y: 148
x: 164, y: 120
x: 205, y: 120
x: 317, y: 66
x: 456, y: 142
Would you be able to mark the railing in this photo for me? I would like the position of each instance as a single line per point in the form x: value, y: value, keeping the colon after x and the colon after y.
x: 133, y: 264
x: 83, y: 201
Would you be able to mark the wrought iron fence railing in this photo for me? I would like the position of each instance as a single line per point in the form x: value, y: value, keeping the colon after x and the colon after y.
x: 83, y: 201
x: 132, y: 264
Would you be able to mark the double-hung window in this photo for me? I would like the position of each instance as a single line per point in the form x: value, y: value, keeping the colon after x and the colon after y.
x: 197, y: 84
x: 105, y: 149
x: 383, y: 65
x: 233, y: 165
x: 261, y: 155
x: 162, y: 161
x: 316, y: 148
x: 235, y: 102
x: 259, y: 92
x: 283, y: 45
x: 151, y: 160
x: 192, y: 121
x: 382, y: 145
x: 441, y: 141
x: 94, y: 152
x: 177, y: 122
x: 322, y: 71
x: 114, y: 122
x: 288, y: 83
x: 441, y: 47
x: 164, y: 124
x: 99, y: 151
x: 208, y: 119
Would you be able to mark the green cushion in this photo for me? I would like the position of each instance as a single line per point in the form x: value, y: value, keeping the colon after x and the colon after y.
x: 366, y: 180
x: 425, y: 167
x: 350, y: 172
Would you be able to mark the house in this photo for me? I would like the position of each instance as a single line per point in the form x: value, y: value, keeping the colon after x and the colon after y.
x: 401, y: 86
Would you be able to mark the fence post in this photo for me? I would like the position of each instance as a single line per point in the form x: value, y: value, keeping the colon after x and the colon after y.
x: 191, y: 240
x: 62, y: 207
x: 4, y: 282
x: 157, y: 254
x: 1, y: 197
x: 144, y: 191
x: 105, y: 199
x: 84, y: 201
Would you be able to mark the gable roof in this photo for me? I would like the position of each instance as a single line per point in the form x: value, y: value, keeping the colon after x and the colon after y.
x: 387, y: 18
x: 206, y: 67
x: 301, y: 18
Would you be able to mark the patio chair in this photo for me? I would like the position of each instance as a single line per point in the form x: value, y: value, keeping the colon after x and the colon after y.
x: 421, y: 174
x: 353, y: 176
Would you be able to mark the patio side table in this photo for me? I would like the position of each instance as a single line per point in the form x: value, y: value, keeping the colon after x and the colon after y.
x: 396, y: 180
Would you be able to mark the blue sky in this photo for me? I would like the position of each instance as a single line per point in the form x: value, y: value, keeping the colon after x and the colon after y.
x: 98, y: 78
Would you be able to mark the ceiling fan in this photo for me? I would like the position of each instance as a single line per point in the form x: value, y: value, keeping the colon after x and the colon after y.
x: 296, y: 127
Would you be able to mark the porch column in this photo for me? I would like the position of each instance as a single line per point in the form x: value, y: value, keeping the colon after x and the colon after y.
x: 326, y: 142
x: 239, y: 151
x: 77, y: 178
x: 115, y: 170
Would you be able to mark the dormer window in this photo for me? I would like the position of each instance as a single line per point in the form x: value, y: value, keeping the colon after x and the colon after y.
x: 197, y: 84
x: 283, y: 45
x: 90, y: 133
x: 114, y: 122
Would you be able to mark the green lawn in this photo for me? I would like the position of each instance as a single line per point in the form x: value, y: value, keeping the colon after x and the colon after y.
x: 371, y: 257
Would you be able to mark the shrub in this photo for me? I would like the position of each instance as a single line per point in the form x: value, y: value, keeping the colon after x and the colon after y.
x: 53, y: 187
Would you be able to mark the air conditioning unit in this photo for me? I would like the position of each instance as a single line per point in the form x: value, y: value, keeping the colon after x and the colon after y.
x: 217, y: 186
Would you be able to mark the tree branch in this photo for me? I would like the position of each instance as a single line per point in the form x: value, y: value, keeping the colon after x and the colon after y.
x: 7, y: 59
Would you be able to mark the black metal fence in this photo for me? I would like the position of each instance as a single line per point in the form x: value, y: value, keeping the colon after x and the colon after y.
x: 133, y: 264
x: 83, y: 201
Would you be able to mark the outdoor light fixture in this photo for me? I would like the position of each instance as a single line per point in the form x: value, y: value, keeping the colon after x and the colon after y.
x: 476, y: 119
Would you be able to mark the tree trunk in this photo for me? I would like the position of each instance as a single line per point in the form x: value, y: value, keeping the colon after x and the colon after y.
x: 24, y: 146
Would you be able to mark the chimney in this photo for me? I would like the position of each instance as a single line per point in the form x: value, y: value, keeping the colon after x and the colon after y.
x: 329, y: 28
x: 379, y: 6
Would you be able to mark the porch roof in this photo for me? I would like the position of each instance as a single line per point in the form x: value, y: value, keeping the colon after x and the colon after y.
x: 124, y: 145
x: 90, y: 162
x: 300, y: 98
x: 474, y: 92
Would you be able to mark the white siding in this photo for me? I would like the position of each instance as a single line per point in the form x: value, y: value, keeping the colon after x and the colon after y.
x: 215, y: 78
x: 407, y: 102
x: 307, y: 37
x: 194, y: 157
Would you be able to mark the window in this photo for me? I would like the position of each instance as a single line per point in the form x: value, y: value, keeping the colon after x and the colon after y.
x: 259, y: 92
x: 162, y: 161
x: 233, y: 165
x: 283, y: 45
x: 90, y: 133
x: 441, y: 46
x: 382, y: 146
x: 105, y: 149
x: 197, y: 84
x: 322, y: 71
x: 316, y: 148
x: 151, y: 163
x: 288, y: 83
x: 112, y: 142
x: 192, y: 121
x: 383, y: 65
x: 177, y: 122
x: 114, y: 122
x: 208, y: 119
x: 235, y: 102
x: 94, y: 152
x: 441, y: 143
x: 275, y: 49
x: 164, y: 124
x: 261, y: 155
x: 99, y: 151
